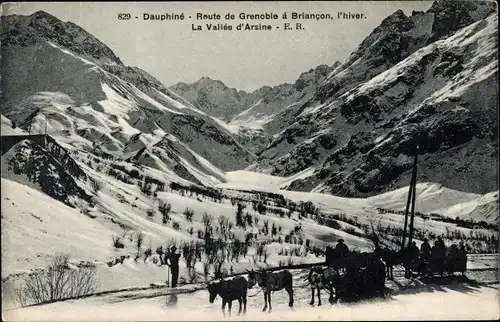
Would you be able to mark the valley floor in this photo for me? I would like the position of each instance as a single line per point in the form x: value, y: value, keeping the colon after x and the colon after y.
x: 473, y: 297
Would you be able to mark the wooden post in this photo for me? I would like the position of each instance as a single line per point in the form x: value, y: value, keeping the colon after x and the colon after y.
x: 414, y: 179
x: 410, y: 193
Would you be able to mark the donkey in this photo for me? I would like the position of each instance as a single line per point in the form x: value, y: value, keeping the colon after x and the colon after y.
x: 235, y: 289
x: 270, y: 282
x: 321, y: 277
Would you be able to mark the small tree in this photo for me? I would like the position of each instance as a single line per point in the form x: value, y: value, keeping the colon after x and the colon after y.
x: 189, y: 213
x: 117, y: 242
x: 176, y: 225
x: 249, y: 219
x: 139, y: 242
x: 164, y: 208
x: 274, y: 230
x: 147, y: 253
x: 207, y: 219
x: 240, y: 219
x: 150, y: 212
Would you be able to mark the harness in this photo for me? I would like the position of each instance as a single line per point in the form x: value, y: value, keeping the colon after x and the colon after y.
x: 256, y: 293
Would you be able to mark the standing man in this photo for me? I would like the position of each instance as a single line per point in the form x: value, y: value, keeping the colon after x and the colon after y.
x: 425, y: 248
x: 173, y: 262
x: 341, y: 249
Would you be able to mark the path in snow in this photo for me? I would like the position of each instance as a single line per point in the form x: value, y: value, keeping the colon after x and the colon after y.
x: 407, y: 299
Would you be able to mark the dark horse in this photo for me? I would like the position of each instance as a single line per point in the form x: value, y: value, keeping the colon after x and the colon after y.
x: 230, y: 290
x: 321, y: 277
x: 270, y: 282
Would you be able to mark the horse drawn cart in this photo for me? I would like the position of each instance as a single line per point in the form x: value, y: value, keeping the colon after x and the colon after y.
x: 437, y: 263
x: 453, y: 261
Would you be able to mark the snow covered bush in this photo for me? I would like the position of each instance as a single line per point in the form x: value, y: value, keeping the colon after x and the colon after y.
x: 117, y: 242
x: 189, y: 213
x: 57, y: 282
x: 164, y: 209
x: 150, y: 213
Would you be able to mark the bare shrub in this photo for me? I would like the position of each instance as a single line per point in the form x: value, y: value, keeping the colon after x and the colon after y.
x: 176, y: 225
x: 147, y: 253
x: 117, y: 242
x: 138, y: 244
x: 189, y: 213
x: 164, y: 208
x: 96, y: 185
x: 57, y: 282
x: 150, y: 213
x: 207, y: 219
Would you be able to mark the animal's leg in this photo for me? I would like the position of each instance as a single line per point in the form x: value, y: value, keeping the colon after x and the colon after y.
x: 290, y: 295
x: 312, y: 296
x: 223, y: 307
x: 265, y: 302
x: 330, y: 299
x: 269, y: 300
x: 239, y: 310
x: 229, y: 305
x: 319, y: 297
x: 244, y: 305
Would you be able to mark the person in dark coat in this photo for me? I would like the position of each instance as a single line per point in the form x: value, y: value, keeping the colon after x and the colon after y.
x: 425, y: 248
x: 329, y: 255
x: 440, y: 246
x: 173, y: 262
x: 341, y: 249
x: 438, y: 253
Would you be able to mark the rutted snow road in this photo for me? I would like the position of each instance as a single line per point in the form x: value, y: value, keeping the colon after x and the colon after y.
x: 407, y: 300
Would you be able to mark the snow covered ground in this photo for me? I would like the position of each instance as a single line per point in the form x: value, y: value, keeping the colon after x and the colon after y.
x: 405, y: 300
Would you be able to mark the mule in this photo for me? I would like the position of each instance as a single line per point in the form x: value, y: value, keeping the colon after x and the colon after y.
x: 230, y: 290
x: 321, y: 277
x: 270, y: 282
x: 360, y: 281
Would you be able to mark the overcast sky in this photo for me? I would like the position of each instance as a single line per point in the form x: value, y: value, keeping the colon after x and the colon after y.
x: 247, y: 60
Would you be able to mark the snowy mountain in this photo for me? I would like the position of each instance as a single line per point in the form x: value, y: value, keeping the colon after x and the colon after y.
x: 398, y: 89
x: 93, y: 102
x: 253, y: 117
x: 215, y: 98
x: 129, y: 168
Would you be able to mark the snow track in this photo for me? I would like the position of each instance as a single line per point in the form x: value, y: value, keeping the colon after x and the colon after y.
x: 473, y: 297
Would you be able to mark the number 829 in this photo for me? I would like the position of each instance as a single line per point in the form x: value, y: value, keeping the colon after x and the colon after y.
x: 124, y: 16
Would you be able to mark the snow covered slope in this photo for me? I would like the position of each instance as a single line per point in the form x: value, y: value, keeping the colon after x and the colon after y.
x: 253, y: 117
x: 92, y: 101
x: 398, y: 89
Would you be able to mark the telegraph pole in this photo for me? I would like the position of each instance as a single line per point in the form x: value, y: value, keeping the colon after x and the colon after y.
x: 410, y: 200
x: 414, y: 179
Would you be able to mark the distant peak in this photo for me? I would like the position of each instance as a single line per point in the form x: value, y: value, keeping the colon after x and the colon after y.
x: 42, y: 14
x: 395, y: 17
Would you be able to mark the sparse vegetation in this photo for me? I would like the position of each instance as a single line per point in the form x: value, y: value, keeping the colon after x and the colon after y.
x: 57, y: 282
x: 117, y: 242
x: 189, y: 213
x: 164, y: 209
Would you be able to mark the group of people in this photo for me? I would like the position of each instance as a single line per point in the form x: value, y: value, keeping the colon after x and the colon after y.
x: 435, y: 255
x: 438, y: 250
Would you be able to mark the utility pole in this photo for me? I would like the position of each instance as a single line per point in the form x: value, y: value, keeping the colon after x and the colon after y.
x: 45, y: 136
x: 410, y: 200
x: 414, y: 178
